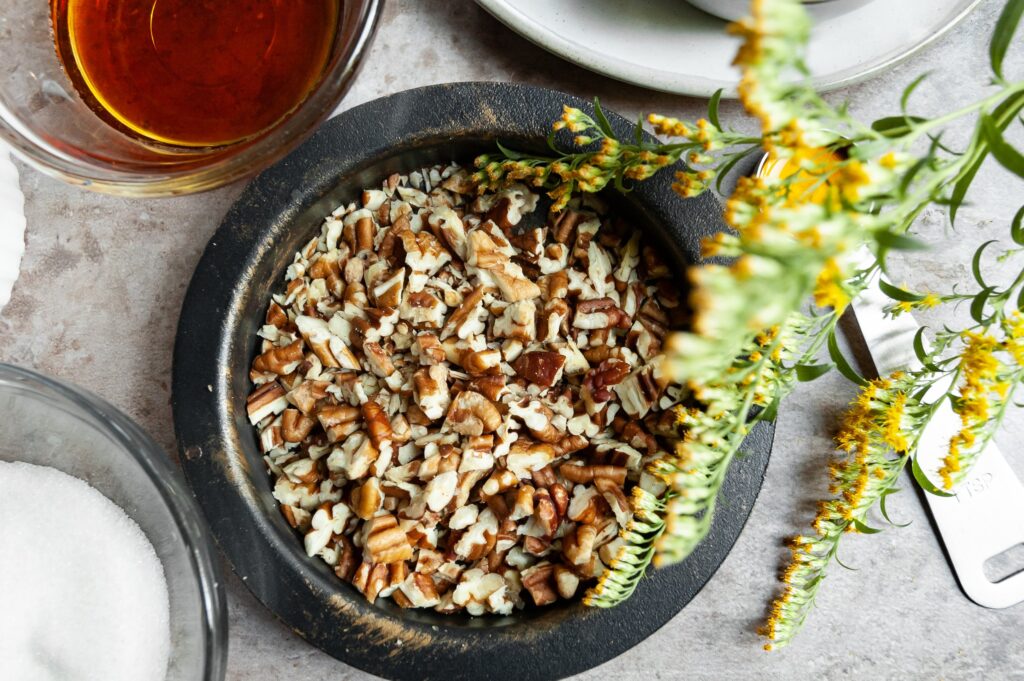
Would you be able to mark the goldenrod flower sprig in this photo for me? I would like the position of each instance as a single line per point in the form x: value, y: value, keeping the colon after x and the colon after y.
x: 873, y: 452
x: 601, y: 159
x: 980, y: 368
x: 798, y: 235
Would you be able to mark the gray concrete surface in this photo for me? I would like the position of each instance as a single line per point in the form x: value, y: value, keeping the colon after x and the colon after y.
x: 103, y: 279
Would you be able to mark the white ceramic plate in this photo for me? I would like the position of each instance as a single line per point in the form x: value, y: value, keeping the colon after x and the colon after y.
x: 12, y: 226
x: 670, y: 46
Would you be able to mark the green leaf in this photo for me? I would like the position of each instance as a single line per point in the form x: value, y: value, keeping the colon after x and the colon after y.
x: 602, y: 121
x: 1003, y: 115
x: 864, y: 529
x: 1020, y: 300
x: 963, y: 183
x: 922, y: 480
x: 896, y: 126
x: 723, y: 171
x: 912, y: 172
x: 899, y: 242
x: 922, y: 354
x: 1017, y: 227
x: 978, y: 304
x: 937, y: 142
x: 885, y: 513
x: 1002, y: 36
x: 841, y: 364
x: 771, y: 412
x: 909, y: 90
x: 638, y: 131
x: 976, y: 263
x: 1008, y: 157
x: 510, y: 154
x: 809, y: 372
x: 713, y: 108
x: 843, y: 565
x: 897, y: 293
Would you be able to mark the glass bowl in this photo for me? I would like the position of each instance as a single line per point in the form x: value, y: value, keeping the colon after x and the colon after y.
x: 45, y: 121
x: 48, y: 423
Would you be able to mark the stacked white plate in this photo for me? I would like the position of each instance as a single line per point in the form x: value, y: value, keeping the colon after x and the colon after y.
x: 12, y: 226
x: 672, y: 46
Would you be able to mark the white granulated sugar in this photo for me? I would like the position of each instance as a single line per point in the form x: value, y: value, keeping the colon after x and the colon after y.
x: 83, y: 593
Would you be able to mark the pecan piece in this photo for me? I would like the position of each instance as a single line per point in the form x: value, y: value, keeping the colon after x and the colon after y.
x: 338, y: 420
x: 539, y: 582
x: 566, y: 581
x: 295, y: 426
x: 544, y: 512
x: 307, y: 394
x: 377, y: 423
x: 490, y: 387
x: 473, y: 414
x: 370, y: 579
x: 266, y: 400
x: 386, y: 541
x: 280, y: 361
x: 578, y: 545
x: 377, y: 359
x: 541, y: 367
x: 582, y: 475
x: 368, y: 499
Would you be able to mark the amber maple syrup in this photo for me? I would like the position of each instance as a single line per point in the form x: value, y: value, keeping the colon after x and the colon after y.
x: 194, y: 73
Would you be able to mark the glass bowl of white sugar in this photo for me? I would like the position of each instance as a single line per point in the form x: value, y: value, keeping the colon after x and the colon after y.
x: 106, y: 567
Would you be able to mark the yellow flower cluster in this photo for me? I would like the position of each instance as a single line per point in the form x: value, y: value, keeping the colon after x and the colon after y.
x: 980, y: 371
x: 585, y: 171
x: 874, y: 441
x: 929, y: 301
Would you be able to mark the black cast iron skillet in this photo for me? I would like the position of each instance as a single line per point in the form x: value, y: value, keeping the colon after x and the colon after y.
x: 244, y: 263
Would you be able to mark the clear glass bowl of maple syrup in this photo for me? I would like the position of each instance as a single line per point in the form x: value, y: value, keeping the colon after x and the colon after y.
x: 165, y: 97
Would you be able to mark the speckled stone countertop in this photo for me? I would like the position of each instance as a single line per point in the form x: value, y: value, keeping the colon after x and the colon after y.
x: 103, y: 279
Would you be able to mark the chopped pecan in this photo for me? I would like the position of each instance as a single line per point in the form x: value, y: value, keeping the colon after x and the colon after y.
x: 266, y: 400
x: 578, y: 545
x: 451, y: 407
x: 472, y: 414
x: 461, y: 322
x: 428, y: 348
x: 348, y: 559
x: 544, y: 512
x: 565, y: 226
x: 378, y: 360
x: 385, y: 540
x: 295, y: 426
x: 566, y: 581
x: 432, y: 394
x: 368, y: 499
x: 500, y: 480
x: 280, y: 361
x: 307, y: 394
x: 377, y: 423
x: 370, y: 579
x: 587, y: 474
x: 490, y: 387
x: 541, y: 367
x: 338, y: 420
x: 277, y: 317
x: 560, y: 498
x: 600, y: 313
x: 539, y: 582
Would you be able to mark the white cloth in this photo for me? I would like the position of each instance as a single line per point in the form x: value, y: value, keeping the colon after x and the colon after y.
x: 12, y: 226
